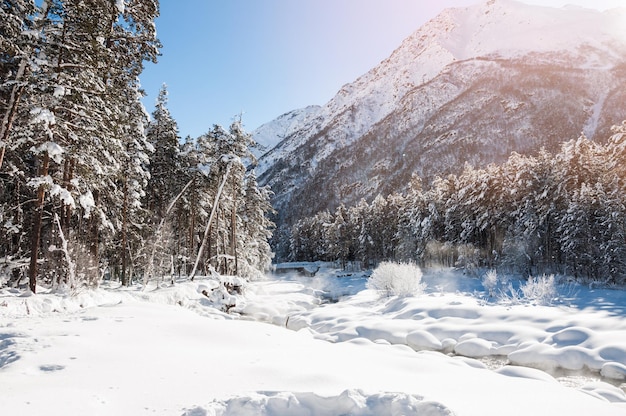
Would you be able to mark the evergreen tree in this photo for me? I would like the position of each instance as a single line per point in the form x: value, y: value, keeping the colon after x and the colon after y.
x: 341, y: 235
x: 256, y: 228
x: 410, y: 219
x: 165, y: 169
x: 16, y: 25
x: 78, y: 154
x: 80, y: 86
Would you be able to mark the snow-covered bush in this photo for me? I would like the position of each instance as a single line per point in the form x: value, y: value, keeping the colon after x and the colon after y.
x: 496, y: 286
x: 536, y: 290
x: 490, y: 282
x: 540, y: 290
x: 397, y: 279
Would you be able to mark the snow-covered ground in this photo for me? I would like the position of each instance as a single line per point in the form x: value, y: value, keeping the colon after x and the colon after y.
x: 319, y: 345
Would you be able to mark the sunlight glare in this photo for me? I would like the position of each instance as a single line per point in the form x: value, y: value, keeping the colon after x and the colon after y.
x: 619, y: 26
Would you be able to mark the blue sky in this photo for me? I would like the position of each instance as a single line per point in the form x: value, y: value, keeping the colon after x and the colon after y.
x: 262, y: 58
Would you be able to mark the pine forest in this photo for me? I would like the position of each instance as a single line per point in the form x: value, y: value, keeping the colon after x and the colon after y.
x: 559, y: 213
x: 93, y: 187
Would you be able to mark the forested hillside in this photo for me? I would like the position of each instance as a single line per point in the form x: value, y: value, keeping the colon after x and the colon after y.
x: 472, y: 85
x: 90, y: 185
x: 563, y: 213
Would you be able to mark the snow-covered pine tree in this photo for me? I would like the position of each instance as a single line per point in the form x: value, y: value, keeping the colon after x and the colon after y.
x: 616, y: 153
x: 45, y: 133
x: 16, y: 26
x: 128, y: 243
x: 354, y: 220
x: 162, y: 134
x: 538, y: 222
x: 201, y: 157
x: 364, y: 250
x: 127, y: 39
x: 235, y: 149
x: 577, y: 171
x: 256, y: 229
x: 411, y: 245
x: 517, y: 199
x: 165, y: 183
x: 186, y: 211
x: 614, y: 223
x: 86, y: 54
x: 338, y: 234
x: 136, y: 40
x: 395, y: 202
x: 580, y: 233
x: 220, y: 156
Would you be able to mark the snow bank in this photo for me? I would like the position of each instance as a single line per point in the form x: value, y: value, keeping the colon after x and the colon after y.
x: 170, y: 350
x: 350, y: 402
x: 579, y: 333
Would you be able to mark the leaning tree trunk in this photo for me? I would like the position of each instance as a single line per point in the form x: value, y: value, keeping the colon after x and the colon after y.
x: 125, y: 280
x: 66, y: 210
x: 36, y: 229
x: 218, y: 195
x: 233, y: 236
x: 12, y: 105
x: 158, y: 234
x: 93, y: 242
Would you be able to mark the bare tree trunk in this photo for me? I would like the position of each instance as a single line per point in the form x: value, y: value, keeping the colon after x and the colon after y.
x: 94, y: 243
x: 71, y: 266
x: 218, y: 194
x: 12, y: 105
x: 36, y: 229
x: 124, y: 233
x: 219, y: 245
x: 209, y: 247
x: 191, y: 243
x: 2, y: 152
x: 66, y: 210
x: 233, y: 234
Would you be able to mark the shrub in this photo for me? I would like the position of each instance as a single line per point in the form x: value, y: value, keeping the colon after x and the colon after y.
x: 490, y: 282
x: 536, y: 290
x: 540, y: 290
x: 393, y: 279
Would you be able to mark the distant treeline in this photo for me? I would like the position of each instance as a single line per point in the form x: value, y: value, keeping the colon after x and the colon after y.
x: 558, y: 213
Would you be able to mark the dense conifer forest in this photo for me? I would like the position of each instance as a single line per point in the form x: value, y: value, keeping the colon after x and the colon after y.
x: 91, y: 186
x: 546, y: 213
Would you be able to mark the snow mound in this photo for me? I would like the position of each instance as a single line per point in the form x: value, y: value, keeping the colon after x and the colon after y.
x: 615, y: 371
x: 352, y: 402
x: 605, y: 391
x: 449, y: 316
x: 422, y: 340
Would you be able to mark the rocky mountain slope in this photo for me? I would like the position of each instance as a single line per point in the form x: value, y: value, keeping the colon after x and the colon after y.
x: 472, y: 85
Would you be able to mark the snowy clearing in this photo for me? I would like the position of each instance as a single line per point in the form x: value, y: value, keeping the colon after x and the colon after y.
x: 313, y: 346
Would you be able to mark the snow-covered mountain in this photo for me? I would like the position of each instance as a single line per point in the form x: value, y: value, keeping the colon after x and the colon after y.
x: 270, y: 134
x: 471, y: 85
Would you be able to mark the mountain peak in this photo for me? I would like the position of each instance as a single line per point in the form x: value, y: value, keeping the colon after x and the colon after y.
x: 509, y: 28
x: 471, y: 85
